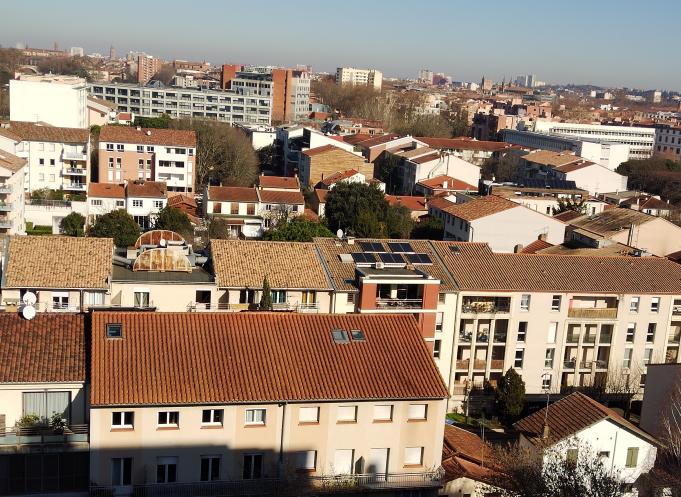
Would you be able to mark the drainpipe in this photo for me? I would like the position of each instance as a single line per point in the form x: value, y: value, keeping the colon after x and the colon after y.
x: 280, y: 466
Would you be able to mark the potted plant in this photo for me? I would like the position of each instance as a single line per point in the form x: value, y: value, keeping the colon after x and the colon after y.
x: 58, y: 423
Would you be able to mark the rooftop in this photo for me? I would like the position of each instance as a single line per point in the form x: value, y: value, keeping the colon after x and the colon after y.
x: 148, y: 136
x: 146, y: 189
x: 411, y: 202
x: 57, y: 262
x: 477, y: 208
x: 463, y: 143
x: 611, y: 221
x: 280, y: 182
x: 439, y: 182
x: 41, y: 132
x: 106, y: 190
x: 338, y: 176
x: 232, y: 194
x: 288, y: 197
x: 11, y: 162
x: 204, y: 358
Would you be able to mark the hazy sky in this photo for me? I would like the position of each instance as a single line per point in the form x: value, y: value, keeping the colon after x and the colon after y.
x: 604, y: 42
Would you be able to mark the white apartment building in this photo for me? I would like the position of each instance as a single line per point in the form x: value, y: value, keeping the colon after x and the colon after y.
x: 639, y: 139
x: 52, y: 99
x: 12, y: 172
x: 359, y: 77
x: 58, y: 158
x: 561, y: 321
x: 143, y: 200
x: 248, y: 102
x: 668, y: 141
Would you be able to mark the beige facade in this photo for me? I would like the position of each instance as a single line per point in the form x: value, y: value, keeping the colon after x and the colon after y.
x: 15, y: 405
x: 289, y: 428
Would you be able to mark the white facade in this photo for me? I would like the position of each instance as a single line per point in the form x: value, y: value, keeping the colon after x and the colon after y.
x: 447, y: 164
x: 145, y: 209
x: 359, y: 77
x: 668, y: 141
x: 596, y: 179
x: 55, y: 100
x: 12, y: 218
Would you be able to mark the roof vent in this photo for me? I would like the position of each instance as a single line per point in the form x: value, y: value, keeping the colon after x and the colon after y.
x: 148, y: 132
x: 340, y: 336
x: 455, y: 249
x: 357, y: 335
x: 114, y: 330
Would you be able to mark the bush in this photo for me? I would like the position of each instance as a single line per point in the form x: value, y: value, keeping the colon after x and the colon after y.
x: 118, y: 225
x: 72, y: 225
x: 28, y: 420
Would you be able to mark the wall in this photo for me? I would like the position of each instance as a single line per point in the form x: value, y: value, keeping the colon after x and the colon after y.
x: 662, y: 382
x: 54, y: 103
x: 166, y: 297
x: 51, y: 215
x: 11, y: 400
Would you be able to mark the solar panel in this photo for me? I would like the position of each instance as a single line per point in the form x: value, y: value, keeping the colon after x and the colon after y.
x: 361, y: 257
x: 390, y: 258
x: 371, y: 246
x: 400, y: 247
x: 419, y: 258
x: 548, y: 183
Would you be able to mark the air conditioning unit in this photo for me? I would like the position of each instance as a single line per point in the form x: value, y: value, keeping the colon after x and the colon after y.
x: 379, y: 265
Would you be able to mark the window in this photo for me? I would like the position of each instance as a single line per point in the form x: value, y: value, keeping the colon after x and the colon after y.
x: 121, y: 471
x: 655, y: 304
x: 548, y: 358
x: 109, y: 147
x: 158, y: 204
x: 96, y: 202
x: 52, y: 177
x: 383, y: 413
x: 278, y: 296
x: 346, y: 414
x: 140, y: 149
x: 546, y: 381
x: 234, y: 208
x: 438, y: 322
x: 137, y: 203
x: 150, y: 149
x: 553, y: 331
x: 123, y: 419
x: 647, y: 356
x: 571, y: 456
x: 114, y: 330
x: 525, y: 302
x: 308, y: 415
x: 634, y: 303
x: 604, y: 454
x: 51, y: 162
x: 141, y: 299
x: 140, y: 164
x: 441, y: 298
x: 413, y: 456
x: 119, y: 147
x: 118, y: 162
x: 250, y: 209
x: 41, y: 162
x: 631, y: 332
x: 41, y: 146
x: 437, y: 346
x: 522, y: 331
x: 518, y: 361
x: 256, y: 416
x: 343, y: 461
x: 166, y: 469
x: 632, y: 457
x: 417, y: 411
x: 252, y: 466
x: 120, y: 203
x: 626, y: 362
x: 555, y: 303
x: 306, y: 460
x: 358, y: 335
x: 168, y: 418
x: 212, y: 416
x: 44, y: 404
x: 642, y: 381
x: 650, y: 335
x: 111, y: 162
x: 210, y: 468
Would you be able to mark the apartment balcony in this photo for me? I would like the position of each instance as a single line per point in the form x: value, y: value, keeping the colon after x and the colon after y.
x: 592, y: 313
x: 569, y: 364
x: 289, y: 307
x: 5, y: 188
x: 481, y: 305
x: 44, y: 435
x: 479, y: 364
x: 395, y: 303
x: 586, y: 364
x: 6, y: 224
x: 77, y: 187
x: 353, y: 484
x: 6, y: 206
x: 676, y: 308
x: 462, y: 363
x: 497, y: 364
x: 75, y: 171
x: 70, y: 155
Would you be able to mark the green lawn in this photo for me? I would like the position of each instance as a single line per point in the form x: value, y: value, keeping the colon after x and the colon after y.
x: 473, y: 421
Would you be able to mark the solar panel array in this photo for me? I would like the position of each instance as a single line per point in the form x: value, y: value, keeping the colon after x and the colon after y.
x: 401, y: 253
x: 548, y: 183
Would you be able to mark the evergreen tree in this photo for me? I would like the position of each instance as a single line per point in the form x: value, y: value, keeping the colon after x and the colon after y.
x: 72, y: 225
x: 266, y: 298
x: 510, y: 396
x: 118, y: 225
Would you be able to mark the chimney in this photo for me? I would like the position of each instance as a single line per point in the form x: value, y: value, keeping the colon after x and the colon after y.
x: 139, y: 128
x: 545, y: 432
x: 543, y: 237
x: 148, y: 132
x: 444, y: 184
x: 518, y: 248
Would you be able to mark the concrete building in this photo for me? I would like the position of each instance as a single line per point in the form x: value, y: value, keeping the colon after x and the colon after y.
x: 163, y: 155
x: 489, y: 126
x: 494, y: 220
x: 426, y: 76
x: 12, y: 173
x: 248, y: 102
x: 76, y: 52
x: 57, y: 158
x: 147, y: 67
x: 546, y: 198
x: 668, y: 141
x: 471, y: 150
x: 359, y: 77
x: 144, y: 200
x: 662, y: 396
x: 296, y: 430
x: 318, y: 163
x: 52, y: 99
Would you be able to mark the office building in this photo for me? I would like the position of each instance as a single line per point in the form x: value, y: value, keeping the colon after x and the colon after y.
x: 359, y: 77
x: 147, y: 66
x: 668, y: 141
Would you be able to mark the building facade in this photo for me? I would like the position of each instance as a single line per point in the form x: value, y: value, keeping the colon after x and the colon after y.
x: 359, y: 77
x: 52, y: 99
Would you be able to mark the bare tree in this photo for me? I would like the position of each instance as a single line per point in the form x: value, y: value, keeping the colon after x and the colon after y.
x: 671, y: 429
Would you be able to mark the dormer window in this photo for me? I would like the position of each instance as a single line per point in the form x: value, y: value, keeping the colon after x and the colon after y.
x: 114, y: 330
x: 340, y: 336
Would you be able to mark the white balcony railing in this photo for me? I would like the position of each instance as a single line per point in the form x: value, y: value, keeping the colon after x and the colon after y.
x: 222, y: 306
x: 79, y: 187
x: 70, y: 155
x: 383, y: 303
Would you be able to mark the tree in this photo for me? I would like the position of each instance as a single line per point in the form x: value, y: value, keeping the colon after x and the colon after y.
x: 163, y: 121
x: 266, y: 297
x: 173, y: 219
x: 430, y: 228
x: 299, y: 229
x: 72, y: 225
x: 356, y: 208
x: 510, y: 396
x: 398, y: 222
x: 501, y: 169
x: 118, y: 225
x: 658, y: 175
x: 570, y: 204
x: 218, y: 229
x: 224, y: 154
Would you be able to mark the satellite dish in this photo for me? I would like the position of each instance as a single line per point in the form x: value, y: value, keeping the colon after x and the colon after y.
x: 29, y: 298
x: 28, y: 312
x: 339, y: 233
x: 162, y: 242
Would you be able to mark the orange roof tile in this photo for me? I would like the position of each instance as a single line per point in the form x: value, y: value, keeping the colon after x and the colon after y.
x: 106, y: 190
x: 464, y: 144
x: 146, y: 189
x: 232, y: 194
x: 536, y: 246
x: 321, y: 150
x: 288, y: 197
x: 11, y: 162
x: 48, y: 348
x: 287, y: 182
x: 411, y: 202
x: 148, y: 136
x: 206, y: 358
x: 338, y: 176
x: 44, y: 133
x: 438, y: 182
x: 479, y: 207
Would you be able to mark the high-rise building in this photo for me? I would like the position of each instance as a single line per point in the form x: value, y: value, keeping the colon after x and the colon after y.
x: 147, y: 66
x: 360, y: 77
x: 426, y: 76
x: 112, y: 52
x: 486, y: 84
x: 76, y: 52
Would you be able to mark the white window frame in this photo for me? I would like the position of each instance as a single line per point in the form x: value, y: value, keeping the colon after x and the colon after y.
x: 255, y: 417
x: 655, y: 304
x: 167, y: 422
x: 346, y: 414
x: 308, y: 414
x: 306, y: 460
x: 525, y: 302
x: 555, y: 306
x: 413, y: 456
x: 122, y: 415
x: 212, y: 416
x: 634, y: 304
x: 417, y: 412
x: 383, y: 412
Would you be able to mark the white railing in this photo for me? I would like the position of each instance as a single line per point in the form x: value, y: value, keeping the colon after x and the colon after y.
x: 399, y: 303
x: 222, y: 306
x: 70, y: 155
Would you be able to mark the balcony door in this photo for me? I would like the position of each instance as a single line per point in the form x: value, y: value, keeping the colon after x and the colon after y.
x: 45, y: 404
x: 377, y: 462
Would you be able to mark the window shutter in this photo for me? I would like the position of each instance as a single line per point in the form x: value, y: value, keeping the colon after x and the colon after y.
x: 308, y: 415
x: 417, y: 411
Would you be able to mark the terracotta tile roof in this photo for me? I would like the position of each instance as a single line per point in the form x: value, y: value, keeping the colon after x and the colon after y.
x: 438, y: 182
x: 106, y: 190
x: 647, y: 202
x: 550, y: 158
x: 232, y: 194
x: 19, y: 130
x: 417, y: 152
x: 574, y: 166
x: 287, y: 265
x: 58, y: 262
x: 411, y: 202
x: 426, y: 158
x: 465, y: 455
x: 378, y: 140
x: 356, y: 138
x: 146, y: 189
x: 101, y: 101
x: 612, y: 221
x: 464, y: 144
x: 287, y: 182
x: 440, y: 203
x: 310, y: 214
x: 474, y: 268
x: 288, y: 197
x: 48, y: 348
x: 203, y: 358
x: 536, y: 246
x: 568, y: 216
x: 569, y: 416
x: 322, y: 150
x: 148, y: 136
x: 343, y: 273
x: 11, y: 162
x: 464, y: 443
x: 338, y: 176
x: 321, y: 195
x: 479, y: 207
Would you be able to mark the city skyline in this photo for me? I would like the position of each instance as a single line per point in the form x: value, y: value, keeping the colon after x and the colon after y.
x: 479, y: 42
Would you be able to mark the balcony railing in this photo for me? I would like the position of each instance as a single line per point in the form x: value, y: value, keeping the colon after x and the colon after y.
x: 676, y: 308
x: 673, y: 337
x: 5, y: 188
x: 6, y: 224
x: 569, y: 364
x: 359, y: 483
x: 497, y: 364
x: 222, y: 306
x: 484, y: 308
x: 69, y: 155
x: 462, y: 363
x: 383, y: 303
x: 593, y: 313
x: 479, y: 363
x: 78, y: 171
x: 6, y: 206
x: 79, y: 187
x: 44, y: 435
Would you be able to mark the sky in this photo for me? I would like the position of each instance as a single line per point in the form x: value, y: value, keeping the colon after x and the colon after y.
x: 618, y: 43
